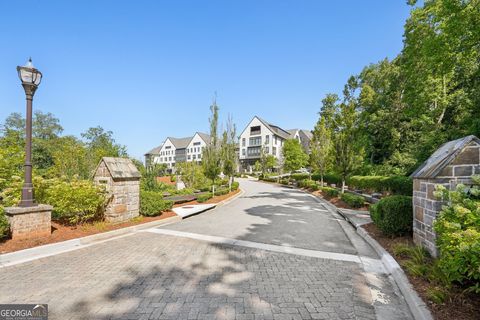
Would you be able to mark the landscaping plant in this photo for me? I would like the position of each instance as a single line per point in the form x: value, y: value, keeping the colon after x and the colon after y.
x: 331, y: 192
x: 458, y: 234
x: 352, y: 200
x: 393, y: 215
x: 152, y: 203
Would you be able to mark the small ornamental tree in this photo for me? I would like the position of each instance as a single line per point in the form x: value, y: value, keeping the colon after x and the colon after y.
x: 294, y: 157
x: 229, y: 156
x: 211, y: 157
x: 267, y: 161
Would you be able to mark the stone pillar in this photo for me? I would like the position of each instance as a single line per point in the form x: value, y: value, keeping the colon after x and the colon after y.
x: 29, y: 222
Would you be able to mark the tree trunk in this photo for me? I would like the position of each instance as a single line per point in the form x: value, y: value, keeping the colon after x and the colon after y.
x: 343, y: 185
x: 321, y: 179
x: 230, y: 181
x: 213, y: 188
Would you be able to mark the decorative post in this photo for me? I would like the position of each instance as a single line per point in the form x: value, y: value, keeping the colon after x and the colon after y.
x: 29, y: 220
x: 30, y: 78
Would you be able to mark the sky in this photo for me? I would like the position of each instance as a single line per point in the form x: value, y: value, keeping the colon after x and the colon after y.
x: 147, y: 70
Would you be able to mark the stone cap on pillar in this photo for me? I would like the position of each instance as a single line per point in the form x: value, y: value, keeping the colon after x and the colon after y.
x: 24, y: 210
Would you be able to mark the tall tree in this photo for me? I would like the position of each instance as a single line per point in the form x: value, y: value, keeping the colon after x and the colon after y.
x: 211, y: 157
x: 346, y: 142
x: 321, y: 148
x: 294, y: 157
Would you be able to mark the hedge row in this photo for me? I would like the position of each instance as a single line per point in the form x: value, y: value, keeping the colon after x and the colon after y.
x: 399, y: 185
x: 308, y: 184
x: 328, y: 178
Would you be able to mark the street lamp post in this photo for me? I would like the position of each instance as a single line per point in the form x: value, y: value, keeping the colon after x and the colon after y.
x: 30, y: 78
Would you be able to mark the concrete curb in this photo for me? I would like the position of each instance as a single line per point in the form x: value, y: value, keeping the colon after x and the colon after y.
x: 227, y: 201
x: 417, y: 307
x: 21, y: 256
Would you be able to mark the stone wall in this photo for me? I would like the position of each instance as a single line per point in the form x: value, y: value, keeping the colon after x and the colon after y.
x: 426, y: 206
x: 124, y: 201
x: 29, y: 222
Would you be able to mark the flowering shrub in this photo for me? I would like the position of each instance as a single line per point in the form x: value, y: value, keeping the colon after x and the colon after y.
x: 458, y: 234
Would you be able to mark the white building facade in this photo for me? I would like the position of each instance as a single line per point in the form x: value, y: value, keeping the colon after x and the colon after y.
x: 262, y: 134
x: 177, y: 150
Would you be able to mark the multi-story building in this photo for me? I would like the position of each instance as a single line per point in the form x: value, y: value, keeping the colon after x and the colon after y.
x: 261, y: 134
x: 176, y: 150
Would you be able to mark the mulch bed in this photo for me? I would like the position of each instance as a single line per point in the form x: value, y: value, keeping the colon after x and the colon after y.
x: 61, y: 232
x: 459, y: 306
x: 215, y: 199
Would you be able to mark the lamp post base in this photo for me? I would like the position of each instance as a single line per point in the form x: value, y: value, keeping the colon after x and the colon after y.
x: 28, y: 199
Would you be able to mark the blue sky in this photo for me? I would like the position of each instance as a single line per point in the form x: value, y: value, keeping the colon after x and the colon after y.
x: 149, y: 69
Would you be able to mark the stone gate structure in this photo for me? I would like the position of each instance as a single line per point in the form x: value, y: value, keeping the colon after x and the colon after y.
x: 453, y: 163
x: 122, y: 181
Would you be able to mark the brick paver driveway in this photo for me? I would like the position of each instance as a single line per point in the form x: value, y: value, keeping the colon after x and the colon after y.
x: 273, y: 253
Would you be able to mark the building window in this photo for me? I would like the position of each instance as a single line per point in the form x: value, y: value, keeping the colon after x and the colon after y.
x: 255, y: 141
x: 188, y: 157
x: 169, y: 158
x: 274, y: 151
x: 199, y: 156
x: 267, y: 150
x: 196, y: 143
x: 243, y: 142
x: 194, y: 157
x: 243, y: 152
x: 267, y: 139
x: 255, y: 130
x: 275, y: 139
x: 253, y: 152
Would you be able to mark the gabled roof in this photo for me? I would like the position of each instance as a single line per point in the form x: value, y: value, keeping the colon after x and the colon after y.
x: 308, y: 133
x: 121, y: 168
x: 180, y: 143
x: 442, y: 157
x: 275, y: 129
x: 205, y: 137
x: 155, y: 150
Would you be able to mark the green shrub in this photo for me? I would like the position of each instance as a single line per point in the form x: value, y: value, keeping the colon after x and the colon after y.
x: 331, y: 192
x: 221, y: 191
x: 393, y: 215
x: 152, y: 203
x: 299, y: 176
x: 328, y: 178
x: 204, y: 197
x: 4, y: 225
x: 352, y: 200
x: 400, y: 185
x: 235, y: 185
x: 308, y: 184
x: 75, y: 201
x: 284, y: 181
x: 458, y: 234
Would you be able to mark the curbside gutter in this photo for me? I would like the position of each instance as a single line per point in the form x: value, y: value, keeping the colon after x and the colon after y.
x: 21, y: 256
